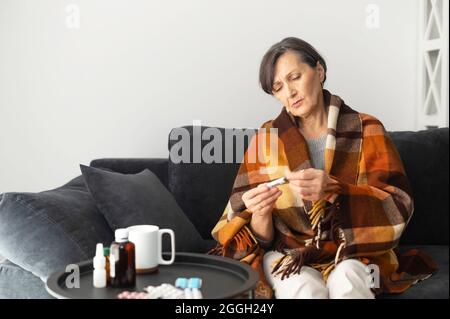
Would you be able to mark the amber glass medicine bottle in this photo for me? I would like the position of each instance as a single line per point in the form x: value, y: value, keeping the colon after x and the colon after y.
x: 122, y: 261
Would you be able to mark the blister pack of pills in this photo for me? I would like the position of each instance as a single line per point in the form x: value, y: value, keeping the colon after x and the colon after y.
x: 132, y: 295
x: 164, y: 291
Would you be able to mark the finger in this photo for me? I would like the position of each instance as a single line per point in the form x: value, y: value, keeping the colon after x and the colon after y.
x: 259, y: 198
x: 267, y: 206
x: 267, y: 209
x: 302, y: 191
x: 270, y: 199
x: 305, y: 183
x: 293, y: 175
x: 262, y: 197
x: 309, y: 173
x: 304, y: 174
x: 261, y: 188
x: 312, y: 189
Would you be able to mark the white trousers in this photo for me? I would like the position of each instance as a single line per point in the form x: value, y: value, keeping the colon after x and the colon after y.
x: 349, y: 280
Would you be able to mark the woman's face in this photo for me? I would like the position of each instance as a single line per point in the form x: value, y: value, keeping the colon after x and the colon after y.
x: 297, y: 85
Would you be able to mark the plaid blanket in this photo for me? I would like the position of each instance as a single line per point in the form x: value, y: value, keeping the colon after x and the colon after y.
x: 362, y: 216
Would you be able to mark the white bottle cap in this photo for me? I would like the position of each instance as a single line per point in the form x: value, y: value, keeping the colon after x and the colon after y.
x: 121, y: 234
x: 99, y: 259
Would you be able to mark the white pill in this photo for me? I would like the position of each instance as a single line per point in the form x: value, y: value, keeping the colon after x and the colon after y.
x: 279, y: 181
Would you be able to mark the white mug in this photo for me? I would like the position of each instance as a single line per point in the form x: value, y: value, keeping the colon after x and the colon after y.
x: 148, y: 247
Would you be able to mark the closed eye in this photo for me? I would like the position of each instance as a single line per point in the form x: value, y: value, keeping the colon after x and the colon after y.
x: 276, y: 89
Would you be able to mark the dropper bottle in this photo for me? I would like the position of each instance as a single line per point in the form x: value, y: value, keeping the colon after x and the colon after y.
x: 99, y: 276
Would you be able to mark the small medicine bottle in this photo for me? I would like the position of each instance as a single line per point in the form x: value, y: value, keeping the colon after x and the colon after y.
x: 122, y: 260
x: 99, y: 276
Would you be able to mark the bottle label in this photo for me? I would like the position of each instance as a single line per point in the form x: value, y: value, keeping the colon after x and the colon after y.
x: 113, y: 259
x: 112, y: 266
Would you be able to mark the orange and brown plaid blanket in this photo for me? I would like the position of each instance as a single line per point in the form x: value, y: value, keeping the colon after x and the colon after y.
x: 363, y: 215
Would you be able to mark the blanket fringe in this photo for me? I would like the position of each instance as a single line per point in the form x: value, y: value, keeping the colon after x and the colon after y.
x: 242, y: 241
x: 321, y: 212
x: 294, y: 260
x: 312, y: 254
x: 217, y: 250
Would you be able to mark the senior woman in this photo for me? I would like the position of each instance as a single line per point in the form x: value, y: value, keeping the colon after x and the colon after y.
x: 330, y: 231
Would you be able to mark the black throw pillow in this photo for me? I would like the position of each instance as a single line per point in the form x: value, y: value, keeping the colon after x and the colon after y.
x: 141, y: 199
x: 44, y: 232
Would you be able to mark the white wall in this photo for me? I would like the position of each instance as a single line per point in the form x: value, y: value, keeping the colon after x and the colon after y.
x: 135, y: 69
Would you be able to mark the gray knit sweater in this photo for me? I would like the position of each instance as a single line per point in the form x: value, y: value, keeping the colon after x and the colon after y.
x: 316, y: 149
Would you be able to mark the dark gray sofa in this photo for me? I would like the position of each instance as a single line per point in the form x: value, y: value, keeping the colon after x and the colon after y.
x: 202, y: 191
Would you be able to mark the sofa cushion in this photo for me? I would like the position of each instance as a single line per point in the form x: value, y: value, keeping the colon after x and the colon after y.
x: 140, y: 199
x: 425, y: 157
x: 44, y: 232
x: 17, y: 283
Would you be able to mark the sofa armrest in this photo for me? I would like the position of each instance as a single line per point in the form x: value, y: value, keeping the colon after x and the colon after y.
x: 135, y: 165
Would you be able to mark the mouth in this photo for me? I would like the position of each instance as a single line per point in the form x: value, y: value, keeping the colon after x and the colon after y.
x: 297, y: 103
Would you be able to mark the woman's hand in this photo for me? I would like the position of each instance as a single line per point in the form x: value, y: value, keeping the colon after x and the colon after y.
x: 311, y: 184
x: 261, y: 200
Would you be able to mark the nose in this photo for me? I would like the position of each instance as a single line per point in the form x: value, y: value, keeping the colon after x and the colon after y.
x: 291, y: 91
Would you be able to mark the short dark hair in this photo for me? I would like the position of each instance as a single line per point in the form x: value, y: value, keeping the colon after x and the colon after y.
x: 306, y: 52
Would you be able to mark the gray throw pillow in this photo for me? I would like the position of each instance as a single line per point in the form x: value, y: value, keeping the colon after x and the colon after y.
x: 44, y: 232
x: 141, y: 199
